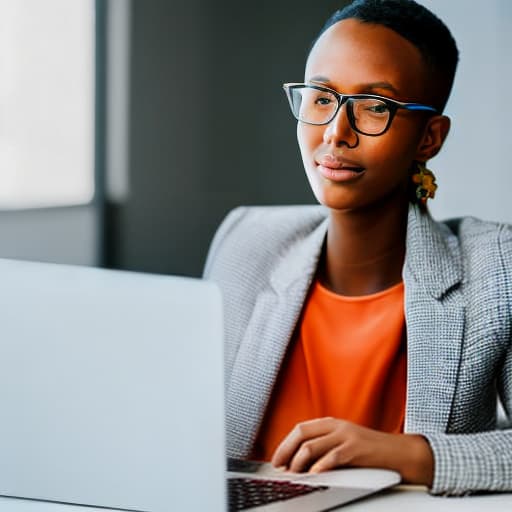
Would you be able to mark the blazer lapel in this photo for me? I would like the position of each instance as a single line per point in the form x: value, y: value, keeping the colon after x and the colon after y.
x: 434, y: 310
x: 263, y: 347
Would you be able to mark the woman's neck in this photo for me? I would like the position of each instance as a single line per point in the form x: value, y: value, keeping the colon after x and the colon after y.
x: 365, y: 249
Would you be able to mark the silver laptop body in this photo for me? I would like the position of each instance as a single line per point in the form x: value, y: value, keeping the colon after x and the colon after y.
x: 111, y: 388
x: 321, y: 492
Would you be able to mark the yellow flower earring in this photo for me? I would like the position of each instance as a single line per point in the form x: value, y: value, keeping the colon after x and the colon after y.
x: 425, y: 182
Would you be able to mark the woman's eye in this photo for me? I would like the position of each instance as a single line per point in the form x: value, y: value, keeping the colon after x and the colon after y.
x: 378, y: 109
x: 323, y: 101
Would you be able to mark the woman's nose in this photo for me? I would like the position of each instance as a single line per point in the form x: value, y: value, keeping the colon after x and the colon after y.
x: 339, y: 132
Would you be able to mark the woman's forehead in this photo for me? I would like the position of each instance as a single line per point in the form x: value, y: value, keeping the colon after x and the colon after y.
x: 352, y: 54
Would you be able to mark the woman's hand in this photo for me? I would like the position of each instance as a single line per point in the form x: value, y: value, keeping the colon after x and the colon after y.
x: 327, y: 443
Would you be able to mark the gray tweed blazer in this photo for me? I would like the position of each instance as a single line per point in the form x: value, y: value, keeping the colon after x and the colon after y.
x: 458, y: 296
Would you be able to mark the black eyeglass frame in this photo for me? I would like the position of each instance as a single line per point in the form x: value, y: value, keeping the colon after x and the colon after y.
x: 393, y: 106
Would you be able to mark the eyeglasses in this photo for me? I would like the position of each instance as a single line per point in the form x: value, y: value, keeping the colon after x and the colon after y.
x: 368, y: 114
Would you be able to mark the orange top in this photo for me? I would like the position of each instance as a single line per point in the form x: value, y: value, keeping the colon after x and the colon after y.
x: 348, y: 361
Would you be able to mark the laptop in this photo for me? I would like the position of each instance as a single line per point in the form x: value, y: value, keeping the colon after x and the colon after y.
x: 111, y: 395
x: 111, y: 388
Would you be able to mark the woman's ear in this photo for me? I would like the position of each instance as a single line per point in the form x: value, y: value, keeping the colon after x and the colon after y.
x: 435, y: 133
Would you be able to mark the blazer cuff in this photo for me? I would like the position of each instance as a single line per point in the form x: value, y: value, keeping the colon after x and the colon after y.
x: 465, y: 463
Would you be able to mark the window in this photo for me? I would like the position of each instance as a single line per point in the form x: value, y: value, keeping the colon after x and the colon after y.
x: 46, y: 103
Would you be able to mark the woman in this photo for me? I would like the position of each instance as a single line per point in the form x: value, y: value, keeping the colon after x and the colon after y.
x: 361, y: 332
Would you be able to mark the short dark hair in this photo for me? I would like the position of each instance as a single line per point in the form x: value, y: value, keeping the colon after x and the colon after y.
x: 419, y: 26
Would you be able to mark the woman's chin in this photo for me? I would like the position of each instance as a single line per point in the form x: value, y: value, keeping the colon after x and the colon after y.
x: 336, y: 199
x: 337, y: 196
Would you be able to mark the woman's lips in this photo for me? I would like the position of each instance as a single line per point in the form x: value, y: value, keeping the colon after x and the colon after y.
x: 338, y: 168
x: 340, y: 174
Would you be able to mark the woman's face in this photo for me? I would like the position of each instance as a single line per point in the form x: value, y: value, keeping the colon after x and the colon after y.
x: 345, y: 169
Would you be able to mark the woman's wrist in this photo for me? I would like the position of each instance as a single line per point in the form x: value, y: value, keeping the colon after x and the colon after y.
x: 414, y: 459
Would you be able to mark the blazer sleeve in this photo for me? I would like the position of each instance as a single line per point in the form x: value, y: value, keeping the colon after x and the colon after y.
x: 465, y: 463
x: 225, y: 228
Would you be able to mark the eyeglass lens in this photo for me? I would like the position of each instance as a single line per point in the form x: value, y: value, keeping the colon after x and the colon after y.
x: 311, y: 105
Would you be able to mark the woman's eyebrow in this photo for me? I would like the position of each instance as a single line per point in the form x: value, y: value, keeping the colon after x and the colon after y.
x: 320, y: 79
x: 381, y: 85
x: 363, y: 87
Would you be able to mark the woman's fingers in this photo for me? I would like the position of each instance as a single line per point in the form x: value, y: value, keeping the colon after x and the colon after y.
x: 310, y: 451
x: 339, y: 455
x: 301, y: 434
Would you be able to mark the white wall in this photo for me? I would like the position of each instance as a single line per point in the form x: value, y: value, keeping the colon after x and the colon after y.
x: 474, y: 169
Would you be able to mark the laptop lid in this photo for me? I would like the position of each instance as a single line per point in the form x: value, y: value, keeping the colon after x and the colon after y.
x: 111, y: 388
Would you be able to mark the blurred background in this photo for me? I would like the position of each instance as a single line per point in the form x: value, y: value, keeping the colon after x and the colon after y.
x: 129, y: 128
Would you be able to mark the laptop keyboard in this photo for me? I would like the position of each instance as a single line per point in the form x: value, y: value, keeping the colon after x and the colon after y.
x: 244, y: 493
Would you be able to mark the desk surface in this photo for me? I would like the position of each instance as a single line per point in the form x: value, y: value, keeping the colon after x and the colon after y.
x: 400, y: 498
x: 408, y: 497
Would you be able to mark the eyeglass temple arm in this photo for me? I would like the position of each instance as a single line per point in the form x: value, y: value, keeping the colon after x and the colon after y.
x: 418, y: 106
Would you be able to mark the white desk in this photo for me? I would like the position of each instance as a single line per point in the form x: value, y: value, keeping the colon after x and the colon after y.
x: 416, y: 499
x: 400, y: 498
